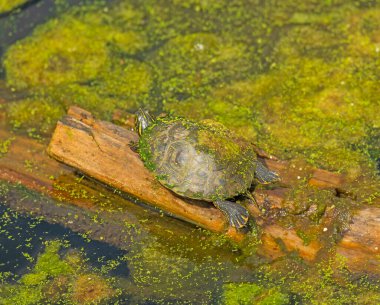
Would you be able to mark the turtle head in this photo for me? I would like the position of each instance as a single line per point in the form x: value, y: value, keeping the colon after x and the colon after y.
x: 143, y: 120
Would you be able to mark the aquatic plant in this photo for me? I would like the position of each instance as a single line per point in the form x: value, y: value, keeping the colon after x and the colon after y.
x: 251, y: 293
x: 54, y: 278
x: 300, y: 79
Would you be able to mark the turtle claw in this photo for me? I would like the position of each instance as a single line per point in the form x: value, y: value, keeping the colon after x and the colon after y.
x: 237, y: 215
x: 239, y: 221
x: 265, y: 175
x: 134, y: 146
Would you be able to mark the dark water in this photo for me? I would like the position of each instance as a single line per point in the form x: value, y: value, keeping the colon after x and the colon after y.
x: 21, y: 234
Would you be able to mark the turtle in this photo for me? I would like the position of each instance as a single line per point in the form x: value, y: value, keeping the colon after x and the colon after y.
x: 202, y: 161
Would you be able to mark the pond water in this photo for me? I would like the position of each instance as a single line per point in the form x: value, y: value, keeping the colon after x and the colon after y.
x: 300, y: 79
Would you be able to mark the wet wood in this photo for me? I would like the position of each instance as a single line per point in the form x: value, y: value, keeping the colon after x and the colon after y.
x: 102, y: 150
x: 361, y: 244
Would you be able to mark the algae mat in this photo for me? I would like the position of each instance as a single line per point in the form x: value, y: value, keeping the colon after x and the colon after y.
x: 298, y: 78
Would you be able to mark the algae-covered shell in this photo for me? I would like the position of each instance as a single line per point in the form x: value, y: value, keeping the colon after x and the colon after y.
x: 198, y: 160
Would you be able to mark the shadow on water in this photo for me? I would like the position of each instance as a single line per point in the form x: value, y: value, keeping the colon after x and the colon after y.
x: 21, y: 234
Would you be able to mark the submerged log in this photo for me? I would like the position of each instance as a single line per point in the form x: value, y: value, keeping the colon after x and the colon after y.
x: 102, y: 150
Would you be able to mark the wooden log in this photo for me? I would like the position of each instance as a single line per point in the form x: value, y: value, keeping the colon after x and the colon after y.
x: 26, y: 164
x: 101, y: 150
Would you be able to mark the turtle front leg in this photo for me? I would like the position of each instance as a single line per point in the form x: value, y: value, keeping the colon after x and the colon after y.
x: 237, y: 215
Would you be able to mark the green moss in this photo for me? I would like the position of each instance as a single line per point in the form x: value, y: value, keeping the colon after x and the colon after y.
x: 8, y: 5
x: 250, y: 293
x: 305, y: 199
x: 47, y: 59
x: 242, y: 293
x: 218, y: 141
x: 38, y: 113
x: 24, y: 296
x: 305, y: 237
x: 299, y: 111
x: 169, y: 18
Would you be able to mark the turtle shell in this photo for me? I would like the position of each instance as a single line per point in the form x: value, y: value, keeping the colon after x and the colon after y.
x: 197, y: 160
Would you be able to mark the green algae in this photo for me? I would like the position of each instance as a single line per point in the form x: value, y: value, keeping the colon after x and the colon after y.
x: 34, y: 115
x: 211, y: 72
x: 188, y: 65
x: 57, y: 278
x: 96, y: 73
x: 229, y: 105
x: 55, y: 55
x: 168, y: 273
x: 300, y: 79
x: 48, y: 264
x: 331, y: 283
x: 295, y: 113
x: 328, y: 282
x: 4, y: 146
x: 251, y: 293
x: 8, y: 5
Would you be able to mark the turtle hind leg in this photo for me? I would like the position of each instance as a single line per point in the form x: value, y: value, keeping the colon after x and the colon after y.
x: 263, y: 175
x: 237, y: 215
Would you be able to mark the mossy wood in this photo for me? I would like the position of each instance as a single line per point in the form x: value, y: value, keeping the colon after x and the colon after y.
x: 102, y: 150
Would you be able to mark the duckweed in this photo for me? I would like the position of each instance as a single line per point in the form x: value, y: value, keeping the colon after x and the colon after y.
x: 34, y: 114
x: 54, y: 55
x: 4, y: 146
x: 52, y: 275
x: 319, y: 81
x: 32, y: 288
x: 250, y: 293
x: 300, y: 79
x: 189, y: 65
